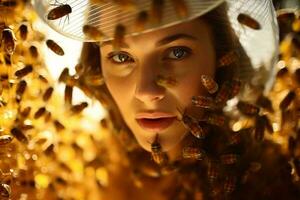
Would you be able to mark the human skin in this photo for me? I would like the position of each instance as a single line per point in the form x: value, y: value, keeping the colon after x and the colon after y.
x: 130, y: 75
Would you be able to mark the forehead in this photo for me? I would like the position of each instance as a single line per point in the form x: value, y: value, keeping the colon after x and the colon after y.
x: 197, y: 29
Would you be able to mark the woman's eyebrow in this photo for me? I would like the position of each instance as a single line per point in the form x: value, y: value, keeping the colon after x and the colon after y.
x: 161, y: 42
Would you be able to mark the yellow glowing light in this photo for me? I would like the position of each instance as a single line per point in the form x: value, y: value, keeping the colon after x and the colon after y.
x: 41, y: 180
x: 102, y: 176
x: 237, y: 126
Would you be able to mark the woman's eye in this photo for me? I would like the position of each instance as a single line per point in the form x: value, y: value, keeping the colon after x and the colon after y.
x: 120, y: 58
x: 178, y: 53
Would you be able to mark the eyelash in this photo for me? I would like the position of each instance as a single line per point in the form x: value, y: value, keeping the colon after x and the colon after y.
x: 186, y: 50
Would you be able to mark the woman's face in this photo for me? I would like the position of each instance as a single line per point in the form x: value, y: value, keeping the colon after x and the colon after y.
x: 183, y: 52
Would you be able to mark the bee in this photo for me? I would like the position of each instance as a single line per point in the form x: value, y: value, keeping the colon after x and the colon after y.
x: 48, y: 116
x: 119, y: 34
x: 209, y: 83
x: 215, y: 119
x: 228, y: 59
x: 58, y: 125
x: 9, y: 40
x: 235, y: 87
x: 267, y: 123
x: 26, y: 127
x: 5, y: 139
x: 25, y: 112
x: 194, y: 126
x: 79, y: 107
x: 166, y: 81
x: 94, y: 80
x: 157, y: 11
x: 5, y: 190
x: 68, y: 95
x: 141, y: 21
x: 59, y: 11
x: 259, y: 130
x: 23, y: 31
x: 223, y: 94
x: 20, y: 90
x: 43, y: 79
x: 286, y: 17
x: 33, y: 51
x: 212, y: 171
x: 49, y: 150
x: 282, y: 72
x: 203, y: 102
x: 247, y: 108
x: 229, y: 184
x: 248, y: 21
x: 55, y: 47
x: 287, y: 100
x: 17, y: 133
x: 181, y: 8
x: 64, y: 75
x: 24, y: 71
x: 229, y: 159
x: 234, y: 138
x: 40, y: 112
x: 92, y: 32
x: 265, y: 103
x: 47, y: 94
x: 157, y: 153
x: 193, y: 153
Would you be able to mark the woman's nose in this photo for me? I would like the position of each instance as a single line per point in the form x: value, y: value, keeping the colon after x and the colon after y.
x: 147, y: 90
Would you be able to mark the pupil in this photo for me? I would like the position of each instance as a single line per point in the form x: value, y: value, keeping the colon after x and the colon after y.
x: 122, y: 57
x: 178, y: 52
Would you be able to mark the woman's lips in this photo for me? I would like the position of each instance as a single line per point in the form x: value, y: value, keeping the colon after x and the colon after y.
x: 155, y: 125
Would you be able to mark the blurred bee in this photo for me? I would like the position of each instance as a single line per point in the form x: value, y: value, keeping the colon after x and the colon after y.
x: 228, y: 59
x: 5, y: 139
x: 287, y: 100
x: 17, y: 133
x: 9, y: 40
x: 212, y: 171
x: 23, y: 31
x: 286, y: 16
x: 248, y: 21
x: 119, y: 34
x: 194, y: 126
x: 209, y: 83
x: 157, y: 153
x: 141, y: 21
x: 235, y: 87
x: 181, y: 8
x: 259, y: 130
x: 157, y: 11
x: 203, y: 102
x: 59, y: 11
x: 267, y: 123
x: 47, y: 116
x: 94, y: 80
x: 20, y: 90
x: 92, y: 32
x: 193, y: 153
x: 68, y: 95
x: 166, y: 81
x: 79, y: 107
x: 247, y: 108
x: 40, y: 112
x: 24, y: 71
x: 265, y: 103
x: 64, y: 75
x: 215, y: 119
x: 55, y: 47
x: 58, y: 125
x: 223, y: 94
x: 49, y: 150
x: 229, y: 159
x: 229, y: 184
x: 25, y: 112
x: 33, y: 51
x: 282, y: 72
x: 48, y: 93
x: 234, y: 138
x: 5, y: 190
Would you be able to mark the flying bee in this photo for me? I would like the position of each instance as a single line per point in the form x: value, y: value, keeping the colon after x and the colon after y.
x: 43, y: 79
x: 159, y: 157
x: 55, y: 47
x: 286, y: 17
x: 228, y: 59
x: 49, y: 150
x: 193, y: 153
x: 223, y: 94
x: 48, y: 116
x: 33, y: 51
x: 265, y: 103
x: 229, y: 184
x: 17, y: 133
x: 92, y: 32
x: 40, y: 112
x: 119, y: 34
x: 25, y: 112
x: 94, y: 80
x: 209, y: 83
x: 127, y: 5
x: 9, y: 40
x: 267, y: 123
x: 259, y: 130
x: 23, y: 31
x: 68, y: 95
x: 58, y: 125
x: 59, y: 11
x: 20, y: 90
x: 166, y: 81
x: 194, y: 126
x: 248, y: 21
x: 157, y: 11
x: 79, y: 107
x: 5, y: 191
x: 229, y: 159
x: 215, y: 119
x: 235, y: 87
x: 5, y: 139
x: 203, y: 102
x: 287, y: 100
x: 64, y: 75
x: 181, y: 8
x: 212, y: 171
x: 24, y: 71
x: 48, y: 93
x: 247, y: 108
x: 234, y: 138
x: 282, y: 72
x: 141, y: 21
